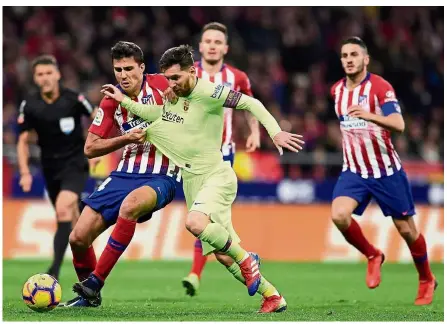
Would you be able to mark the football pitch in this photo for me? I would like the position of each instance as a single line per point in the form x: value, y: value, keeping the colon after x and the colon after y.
x: 152, y: 291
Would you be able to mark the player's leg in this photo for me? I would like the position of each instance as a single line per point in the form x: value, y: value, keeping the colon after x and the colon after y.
x: 66, y: 210
x: 145, y: 197
x: 272, y: 300
x: 351, y: 196
x: 192, y: 281
x: 53, y: 188
x: 88, y: 227
x: 219, y: 239
x: 394, y: 197
x: 209, y: 199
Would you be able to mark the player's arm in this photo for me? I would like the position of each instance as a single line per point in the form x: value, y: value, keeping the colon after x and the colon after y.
x: 254, y: 139
x: 147, y: 112
x: 25, y: 126
x: 236, y: 100
x: 97, y: 142
x: 392, y: 118
x: 96, y: 146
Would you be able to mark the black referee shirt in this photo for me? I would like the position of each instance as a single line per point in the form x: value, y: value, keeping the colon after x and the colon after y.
x: 58, y: 126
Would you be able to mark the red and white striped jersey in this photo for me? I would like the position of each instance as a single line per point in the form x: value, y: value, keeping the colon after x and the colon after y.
x: 367, y: 147
x: 136, y: 158
x: 236, y: 80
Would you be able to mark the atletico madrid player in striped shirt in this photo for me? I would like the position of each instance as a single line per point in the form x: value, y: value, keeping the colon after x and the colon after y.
x: 368, y: 111
x: 144, y: 181
x: 211, y: 67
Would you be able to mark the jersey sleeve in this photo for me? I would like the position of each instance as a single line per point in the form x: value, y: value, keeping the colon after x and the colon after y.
x: 104, y: 122
x: 332, y: 92
x: 223, y: 96
x: 24, y: 119
x: 245, y: 85
x: 85, y: 105
x: 158, y: 81
x: 387, y: 98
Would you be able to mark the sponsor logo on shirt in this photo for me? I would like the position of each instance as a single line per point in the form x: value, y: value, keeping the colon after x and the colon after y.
x: 135, y: 123
x: 172, y: 117
x: 217, y: 91
x: 348, y: 123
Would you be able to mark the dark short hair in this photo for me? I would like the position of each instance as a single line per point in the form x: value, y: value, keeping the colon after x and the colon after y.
x: 127, y: 49
x: 44, y: 60
x: 182, y: 55
x: 216, y: 26
x: 356, y: 41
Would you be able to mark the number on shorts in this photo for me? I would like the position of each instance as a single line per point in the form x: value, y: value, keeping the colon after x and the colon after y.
x: 104, y: 184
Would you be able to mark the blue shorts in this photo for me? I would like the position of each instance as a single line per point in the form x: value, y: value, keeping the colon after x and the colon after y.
x: 392, y: 193
x: 109, y: 196
x: 228, y: 151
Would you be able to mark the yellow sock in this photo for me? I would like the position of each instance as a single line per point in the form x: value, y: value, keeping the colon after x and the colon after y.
x: 218, y: 237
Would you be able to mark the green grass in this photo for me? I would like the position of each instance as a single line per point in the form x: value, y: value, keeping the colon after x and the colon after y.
x: 151, y: 291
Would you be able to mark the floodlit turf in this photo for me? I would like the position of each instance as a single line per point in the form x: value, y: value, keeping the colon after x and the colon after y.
x: 151, y: 291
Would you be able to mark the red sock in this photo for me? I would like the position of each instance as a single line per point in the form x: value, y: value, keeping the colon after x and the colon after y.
x: 84, y: 262
x: 199, y: 260
x: 118, y: 241
x: 418, y: 251
x: 353, y: 234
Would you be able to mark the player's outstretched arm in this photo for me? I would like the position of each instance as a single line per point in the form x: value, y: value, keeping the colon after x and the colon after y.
x: 281, y: 139
x: 147, y: 112
x: 96, y: 146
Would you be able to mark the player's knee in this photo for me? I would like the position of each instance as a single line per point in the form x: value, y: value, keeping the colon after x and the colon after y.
x: 65, y: 212
x: 128, y: 210
x: 408, y: 233
x: 226, y: 260
x: 196, y: 222
x: 340, y: 215
x: 77, y: 241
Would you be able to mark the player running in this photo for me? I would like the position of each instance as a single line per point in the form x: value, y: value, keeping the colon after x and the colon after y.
x: 189, y: 131
x: 213, y: 47
x: 368, y: 111
x: 143, y: 183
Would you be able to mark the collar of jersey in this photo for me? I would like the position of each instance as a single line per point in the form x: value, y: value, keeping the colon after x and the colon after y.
x: 142, y: 84
x: 221, y: 69
x: 368, y: 76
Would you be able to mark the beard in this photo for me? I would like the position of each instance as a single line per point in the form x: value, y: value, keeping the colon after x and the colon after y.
x: 359, y: 70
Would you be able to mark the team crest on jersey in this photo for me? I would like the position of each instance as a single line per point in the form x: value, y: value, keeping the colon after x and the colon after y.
x: 186, y: 105
x: 146, y: 99
x: 67, y: 125
x: 363, y: 100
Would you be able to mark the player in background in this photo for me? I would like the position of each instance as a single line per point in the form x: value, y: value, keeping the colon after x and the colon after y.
x: 144, y: 181
x: 368, y: 111
x: 189, y: 131
x: 55, y: 113
x: 213, y: 47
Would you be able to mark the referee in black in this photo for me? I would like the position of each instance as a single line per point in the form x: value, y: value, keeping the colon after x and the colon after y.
x: 55, y: 114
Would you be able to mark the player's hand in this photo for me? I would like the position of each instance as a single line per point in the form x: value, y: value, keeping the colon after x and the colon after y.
x: 136, y: 136
x: 26, y: 180
x: 112, y: 92
x: 359, y: 112
x: 93, y: 163
x: 170, y: 95
x: 253, y: 142
x: 289, y: 141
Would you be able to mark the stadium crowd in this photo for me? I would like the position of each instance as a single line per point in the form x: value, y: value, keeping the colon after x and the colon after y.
x: 289, y: 53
